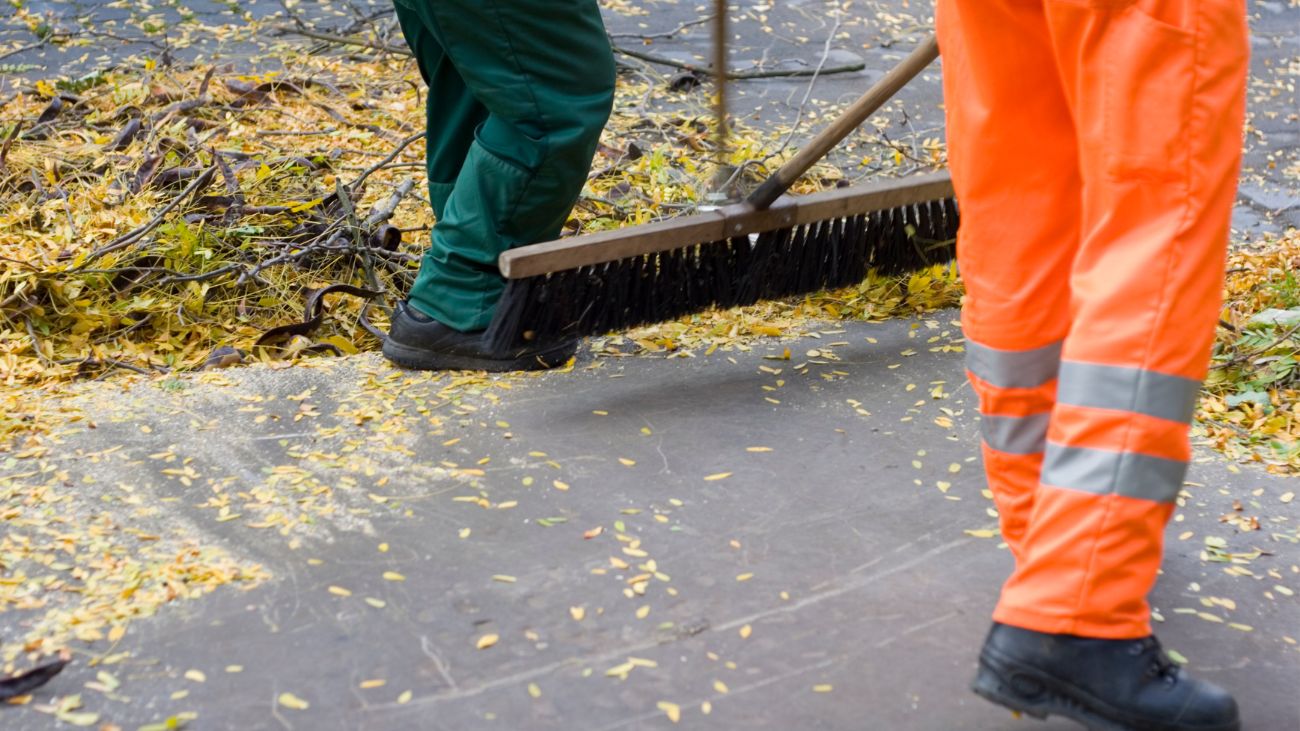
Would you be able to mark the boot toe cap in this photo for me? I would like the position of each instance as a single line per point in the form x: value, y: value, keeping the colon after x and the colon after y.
x: 1209, y: 707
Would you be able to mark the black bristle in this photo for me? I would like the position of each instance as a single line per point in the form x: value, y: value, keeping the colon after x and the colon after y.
x: 740, y: 271
x: 887, y: 247
x: 902, y: 242
x: 840, y: 263
x: 856, y: 267
x: 752, y: 282
x: 807, y: 263
x: 821, y: 255
x: 931, y: 222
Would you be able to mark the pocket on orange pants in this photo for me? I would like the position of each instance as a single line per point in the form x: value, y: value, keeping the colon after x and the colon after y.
x: 1148, y: 79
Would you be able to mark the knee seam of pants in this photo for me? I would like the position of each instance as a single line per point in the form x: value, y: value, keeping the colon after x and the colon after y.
x: 531, y: 176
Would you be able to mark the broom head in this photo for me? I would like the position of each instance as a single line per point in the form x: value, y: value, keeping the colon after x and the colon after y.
x: 738, y: 255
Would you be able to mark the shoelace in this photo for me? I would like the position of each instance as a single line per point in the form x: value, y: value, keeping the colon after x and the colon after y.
x: 1161, y: 665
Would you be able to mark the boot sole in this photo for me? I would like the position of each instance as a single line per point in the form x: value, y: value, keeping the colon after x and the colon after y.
x: 426, y: 360
x: 1052, y: 701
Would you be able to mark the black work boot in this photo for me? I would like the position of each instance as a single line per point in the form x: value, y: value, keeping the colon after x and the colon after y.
x: 1106, y: 685
x: 418, y: 341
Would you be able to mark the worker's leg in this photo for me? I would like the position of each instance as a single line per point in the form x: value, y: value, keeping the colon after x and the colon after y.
x: 451, y: 110
x: 544, y: 71
x: 1012, y: 156
x: 1158, y: 90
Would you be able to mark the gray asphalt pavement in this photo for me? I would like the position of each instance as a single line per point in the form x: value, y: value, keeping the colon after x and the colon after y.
x: 762, y: 543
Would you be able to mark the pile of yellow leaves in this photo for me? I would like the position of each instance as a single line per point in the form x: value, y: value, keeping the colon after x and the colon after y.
x: 1251, y: 408
x: 163, y: 219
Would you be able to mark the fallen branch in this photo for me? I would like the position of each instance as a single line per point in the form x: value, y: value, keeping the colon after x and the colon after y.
x: 36, y: 342
x: 1241, y: 359
x: 1240, y: 431
x: 665, y: 34
x: 738, y: 75
x: 347, y: 234
x: 136, y: 234
x: 338, y: 117
x: 296, y: 133
x: 89, y: 362
x: 203, y: 277
x: 313, y: 314
x: 384, y: 211
x: 355, y: 184
x: 342, y: 40
x: 22, y: 49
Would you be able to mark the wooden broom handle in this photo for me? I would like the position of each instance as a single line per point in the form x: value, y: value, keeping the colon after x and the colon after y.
x: 780, y: 181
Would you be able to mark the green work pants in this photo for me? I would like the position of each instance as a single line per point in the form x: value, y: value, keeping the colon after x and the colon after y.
x: 519, y: 91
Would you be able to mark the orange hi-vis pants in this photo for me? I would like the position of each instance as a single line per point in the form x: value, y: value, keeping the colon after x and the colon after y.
x: 1094, y: 146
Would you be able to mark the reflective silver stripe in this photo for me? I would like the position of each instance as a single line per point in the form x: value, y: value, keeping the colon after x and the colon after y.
x: 1013, y: 368
x: 1104, y: 472
x: 1128, y: 389
x: 1016, y: 434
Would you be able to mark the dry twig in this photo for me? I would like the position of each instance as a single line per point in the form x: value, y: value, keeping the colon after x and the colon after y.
x: 136, y: 234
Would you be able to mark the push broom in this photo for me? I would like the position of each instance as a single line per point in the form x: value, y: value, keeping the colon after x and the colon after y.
x: 766, y: 247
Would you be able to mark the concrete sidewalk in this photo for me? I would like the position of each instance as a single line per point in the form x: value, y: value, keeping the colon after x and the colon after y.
x: 791, y: 544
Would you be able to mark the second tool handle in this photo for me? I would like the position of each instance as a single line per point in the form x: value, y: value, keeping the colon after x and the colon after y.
x: 780, y: 181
